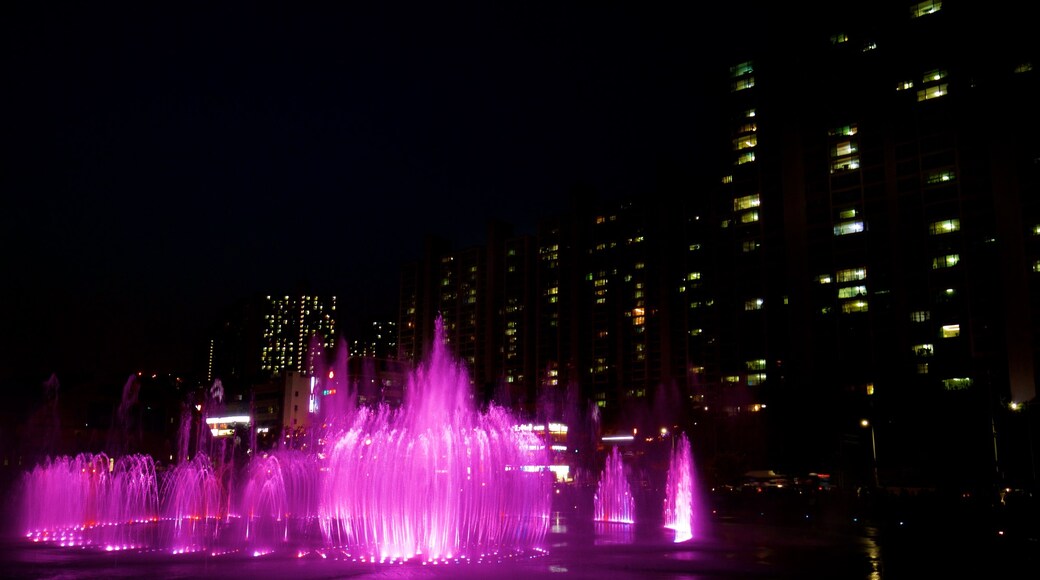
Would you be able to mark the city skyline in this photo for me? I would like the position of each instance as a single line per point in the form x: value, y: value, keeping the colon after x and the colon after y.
x: 163, y: 164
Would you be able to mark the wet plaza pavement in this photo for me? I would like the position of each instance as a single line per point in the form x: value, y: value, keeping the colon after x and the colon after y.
x: 756, y: 539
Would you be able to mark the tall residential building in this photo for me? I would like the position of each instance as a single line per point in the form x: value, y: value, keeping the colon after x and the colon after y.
x: 849, y: 284
x: 296, y: 329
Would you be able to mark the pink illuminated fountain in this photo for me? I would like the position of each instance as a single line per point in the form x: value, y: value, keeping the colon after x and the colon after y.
x: 614, y: 501
x: 679, y: 491
x: 435, y: 479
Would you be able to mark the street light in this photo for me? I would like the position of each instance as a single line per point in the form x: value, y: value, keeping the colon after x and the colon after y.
x: 865, y: 423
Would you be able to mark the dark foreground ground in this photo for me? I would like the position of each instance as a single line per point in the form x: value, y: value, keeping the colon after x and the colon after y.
x: 745, y: 535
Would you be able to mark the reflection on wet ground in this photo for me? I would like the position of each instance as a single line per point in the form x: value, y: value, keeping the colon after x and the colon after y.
x: 758, y: 537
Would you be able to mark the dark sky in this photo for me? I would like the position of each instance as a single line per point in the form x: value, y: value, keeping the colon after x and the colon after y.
x: 161, y: 160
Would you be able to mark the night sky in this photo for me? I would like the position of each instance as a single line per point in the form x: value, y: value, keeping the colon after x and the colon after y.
x: 162, y: 160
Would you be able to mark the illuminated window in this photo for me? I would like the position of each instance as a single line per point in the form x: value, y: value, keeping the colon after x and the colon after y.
x: 956, y: 383
x: 1036, y: 266
x: 840, y: 38
x: 904, y: 85
x: 843, y: 149
x: 746, y: 202
x: 731, y: 378
x: 854, y: 306
x: 944, y: 226
x: 824, y: 279
x: 742, y: 84
x: 933, y: 76
x: 932, y: 92
x: 747, y: 128
x: 923, y: 349
x: 847, y: 213
x: 920, y: 316
x: 747, y: 157
x: 694, y: 247
x: 843, y: 228
x: 746, y: 142
x: 727, y: 179
x: 922, y: 368
x: 845, y: 164
x: 951, y: 330
x: 1023, y: 67
x: 749, y: 246
x: 940, y: 177
x: 755, y: 379
x: 754, y: 304
x: 756, y: 364
x: 749, y: 113
x: 844, y: 130
x: 693, y: 276
x: 852, y: 292
x: 696, y: 331
x: 925, y: 8
x: 851, y: 275
x: 947, y: 261
x: 748, y: 217
x: 741, y: 69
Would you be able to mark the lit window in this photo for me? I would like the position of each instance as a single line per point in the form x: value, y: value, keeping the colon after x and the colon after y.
x: 925, y: 8
x: 844, y: 130
x: 745, y: 142
x: 747, y: 128
x: 851, y: 275
x: 854, y: 306
x: 756, y: 364
x: 754, y: 379
x: 727, y: 179
x: 904, y: 85
x: 754, y: 304
x: 742, y: 84
x: 843, y: 228
x: 923, y: 349
x: 933, y: 76
x: 696, y: 331
x: 852, y: 291
x: 743, y: 158
x: 741, y: 69
x: 749, y: 113
x: 922, y: 368
x: 947, y: 261
x: 749, y: 246
x: 843, y: 148
x: 746, y: 202
x: 731, y: 378
x: 748, y: 217
x: 1036, y: 266
x: 951, y: 330
x: 1023, y: 67
x: 845, y: 164
x: 920, y: 316
x: 693, y: 276
x: 956, y: 383
x: 840, y: 38
x: 940, y: 177
x: 944, y: 226
x: 931, y: 92
x: 847, y: 213
x: 824, y: 279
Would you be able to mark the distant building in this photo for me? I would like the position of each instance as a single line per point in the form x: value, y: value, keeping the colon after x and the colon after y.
x: 863, y: 245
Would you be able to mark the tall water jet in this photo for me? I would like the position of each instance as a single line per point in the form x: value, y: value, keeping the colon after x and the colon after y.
x: 614, y: 501
x: 435, y: 478
x: 679, y: 490
x: 430, y: 480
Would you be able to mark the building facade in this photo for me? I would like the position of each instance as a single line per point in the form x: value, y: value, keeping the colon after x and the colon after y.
x: 848, y: 284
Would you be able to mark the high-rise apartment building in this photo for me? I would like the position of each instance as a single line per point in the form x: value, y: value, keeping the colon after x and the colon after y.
x: 852, y: 288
